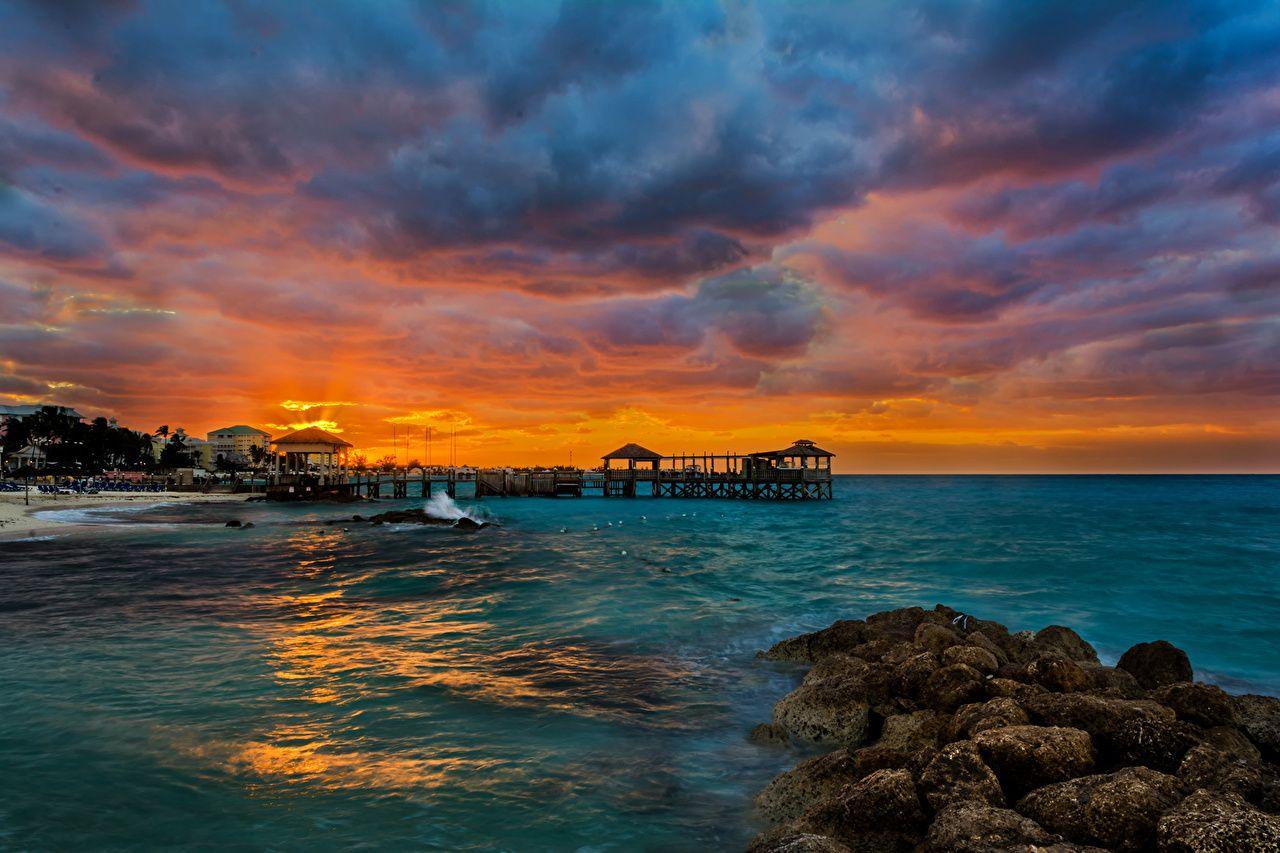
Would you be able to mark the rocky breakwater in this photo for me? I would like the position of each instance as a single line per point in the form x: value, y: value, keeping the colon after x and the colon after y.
x: 949, y: 733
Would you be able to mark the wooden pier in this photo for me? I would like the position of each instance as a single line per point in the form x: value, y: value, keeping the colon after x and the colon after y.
x: 801, y: 472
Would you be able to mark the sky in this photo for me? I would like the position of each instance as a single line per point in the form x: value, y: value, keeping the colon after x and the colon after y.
x: 930, y: 236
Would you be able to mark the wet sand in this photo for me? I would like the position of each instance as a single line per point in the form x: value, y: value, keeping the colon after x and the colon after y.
x: 20, y: 521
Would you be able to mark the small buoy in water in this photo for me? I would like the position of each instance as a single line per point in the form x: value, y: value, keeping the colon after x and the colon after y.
x: 619, y: 523
x: 562, y: 529
x: 609, y: 523
x: 684, y: 515
x: 624, y: 553
x: 595, y: 527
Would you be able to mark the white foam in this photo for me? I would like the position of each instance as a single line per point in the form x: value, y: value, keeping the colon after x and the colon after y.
x: 444, y: 507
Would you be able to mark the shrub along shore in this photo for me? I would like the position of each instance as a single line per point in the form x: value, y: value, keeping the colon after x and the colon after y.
x: 949, y: 733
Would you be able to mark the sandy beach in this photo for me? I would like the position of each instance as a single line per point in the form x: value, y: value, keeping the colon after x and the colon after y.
x: 18, y: 520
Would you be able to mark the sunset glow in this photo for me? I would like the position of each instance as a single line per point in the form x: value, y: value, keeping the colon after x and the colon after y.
x: 944, y: 240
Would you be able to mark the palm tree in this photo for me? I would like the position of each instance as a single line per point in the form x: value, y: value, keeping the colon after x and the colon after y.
x: 162, y: 431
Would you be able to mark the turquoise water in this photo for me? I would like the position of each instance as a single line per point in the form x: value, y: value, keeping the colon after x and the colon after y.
x: 170, y: 682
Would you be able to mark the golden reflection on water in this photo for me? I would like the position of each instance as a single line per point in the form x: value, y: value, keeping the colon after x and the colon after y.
x: 305, y: 755
x: 330, y: 648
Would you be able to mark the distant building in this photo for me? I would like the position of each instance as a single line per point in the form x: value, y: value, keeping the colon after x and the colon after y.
x: 29, y: 457
x: 201, y: 451
x: 236, y: 443
x: 19, y: 413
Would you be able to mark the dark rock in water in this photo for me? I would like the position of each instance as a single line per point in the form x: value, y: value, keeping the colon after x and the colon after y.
x: 1026, y: 757
x: 248, y: 525
x: 768, y: 733
x: 830, y: 710
x: 377, y: 522
x: 1063, y: 642
x: 968, y: 717
x: 1156, y: 664
x: 1202, y: 704
x: 1117, y: 810
x: 795, y: 792
x: 1259, y: 717
x: 958, y: 773
x: 466, y: 523
x: 1217, y: 822
x: 357, y: 517
x: 235, y: 522
x: 971, y: 827
x: 840, y: 637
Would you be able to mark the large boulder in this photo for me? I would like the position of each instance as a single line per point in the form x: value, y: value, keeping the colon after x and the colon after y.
x: 952, y: 686
x: 981, y: 659
x: 901, y: 624
x: 1259, y: 716
x: 914, y: 731
x: 912, y: 674
x: 793, y: 793
x: 980, y: 716
x: 879, y: 812
x: 931, y: 637
x: 1124, y: 731
x: 1233, y: 742
x: 1156, y: 664
x: 1217, y: 823
x: 769, y: 734
x: 1064, y: 642
x: 831, y: 710
x: 1117, y: 810
x: 1110, y: 681
x: 841, y: 636
x: 1196, y: 702
x: 1214, y: 770
x: 1054, y: 673
x: 1026, y: 757
x: 958, y: 773
x: 972, y: 827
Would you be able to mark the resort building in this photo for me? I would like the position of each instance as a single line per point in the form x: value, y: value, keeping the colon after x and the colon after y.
x: 19, y: 413
x: 236, y: 443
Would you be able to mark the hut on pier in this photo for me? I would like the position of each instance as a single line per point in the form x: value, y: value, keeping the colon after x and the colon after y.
x: 299, y: 447
x: 802, y: 453
x: 631, y: 454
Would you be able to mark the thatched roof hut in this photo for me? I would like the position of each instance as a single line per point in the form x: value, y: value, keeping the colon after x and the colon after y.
x: 797, y: 455
x: 633, y: 453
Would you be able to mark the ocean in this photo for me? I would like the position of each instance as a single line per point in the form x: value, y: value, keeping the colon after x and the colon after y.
x: 580, y: 677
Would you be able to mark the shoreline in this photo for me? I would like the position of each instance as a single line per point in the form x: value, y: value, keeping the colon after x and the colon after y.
x: 947, y: 732
x: 20, y: 521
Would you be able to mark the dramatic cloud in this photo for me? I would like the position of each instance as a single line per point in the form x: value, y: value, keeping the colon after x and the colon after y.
x: 896, y: 228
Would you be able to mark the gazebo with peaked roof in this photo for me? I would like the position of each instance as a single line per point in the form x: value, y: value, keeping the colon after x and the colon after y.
x: 633, y: 453
x: 298, y: 447
x: 797, y: 455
